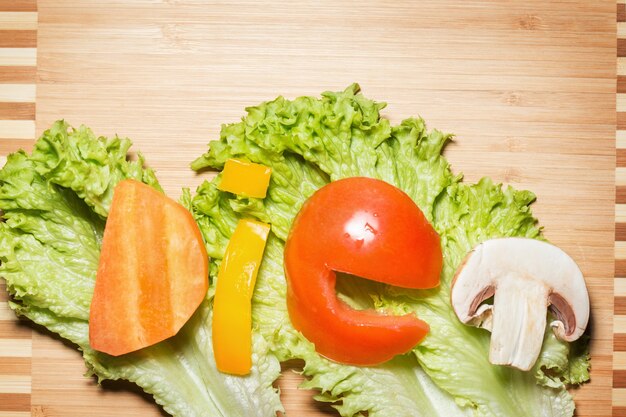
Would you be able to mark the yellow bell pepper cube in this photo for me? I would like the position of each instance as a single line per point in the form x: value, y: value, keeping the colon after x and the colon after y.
x: 232, y: 309
x: 245, y: 178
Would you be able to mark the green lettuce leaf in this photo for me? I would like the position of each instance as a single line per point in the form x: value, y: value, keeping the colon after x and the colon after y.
x: 90, y: 166
x: 54, y: 203
x: 308, y: 142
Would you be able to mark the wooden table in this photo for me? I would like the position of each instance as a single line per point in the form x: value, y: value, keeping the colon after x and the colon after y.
x: 528, y: 87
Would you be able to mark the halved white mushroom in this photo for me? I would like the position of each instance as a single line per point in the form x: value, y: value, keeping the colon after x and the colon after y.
x: 525, y: 277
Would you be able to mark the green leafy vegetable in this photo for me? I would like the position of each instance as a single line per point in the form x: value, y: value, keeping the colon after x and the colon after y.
x: 53, y: 203
x: 309, y: 141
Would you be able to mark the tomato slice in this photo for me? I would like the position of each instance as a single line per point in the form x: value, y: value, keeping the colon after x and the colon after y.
x: 364, y: 227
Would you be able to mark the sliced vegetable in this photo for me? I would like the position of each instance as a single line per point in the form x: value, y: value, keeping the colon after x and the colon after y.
x: 152, y: 274
x: 524, y: 277
x: 245, y: 178
x: 232, y: 306
x: 364, y: 227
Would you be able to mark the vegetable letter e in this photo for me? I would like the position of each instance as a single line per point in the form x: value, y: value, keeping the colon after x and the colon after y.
x: 371, y: 229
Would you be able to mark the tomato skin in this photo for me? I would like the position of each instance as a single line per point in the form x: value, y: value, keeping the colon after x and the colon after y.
x: 364, y: 227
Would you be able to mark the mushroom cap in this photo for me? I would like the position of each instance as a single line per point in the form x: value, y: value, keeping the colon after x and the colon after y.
x: 537, y: 263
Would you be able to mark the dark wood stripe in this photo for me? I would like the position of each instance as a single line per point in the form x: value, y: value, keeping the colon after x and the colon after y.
x: 14, y: 402
x: 621, y: 47
x: 621, y: 157
x: 15, y: 366
x: 620, y: 305
x: 18, y: 38
x: 621, y: 120
x: 621, y: 83
x: 18, y: 75
x: 8, y: 146
x: 619, y: 342
x: 18, y: 5
x: 14, y: 329
x: 620, y: 232
x: 619, y: 411
x: 17, y: 111
x: 620, y: 194
x: 619, y: 379
x: 620, y: 268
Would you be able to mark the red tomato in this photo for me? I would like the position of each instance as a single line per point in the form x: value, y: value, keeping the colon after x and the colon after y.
x: 364, y: 227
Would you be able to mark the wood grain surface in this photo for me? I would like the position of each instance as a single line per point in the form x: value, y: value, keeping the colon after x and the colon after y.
x: 527, y: 87
x: 619, y: 343
x: 18, y: 43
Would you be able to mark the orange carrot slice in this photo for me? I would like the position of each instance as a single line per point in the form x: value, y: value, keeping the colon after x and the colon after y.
x: 153, y: 271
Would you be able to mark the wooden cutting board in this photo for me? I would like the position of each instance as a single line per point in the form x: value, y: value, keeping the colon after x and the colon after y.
x: 528, y: 88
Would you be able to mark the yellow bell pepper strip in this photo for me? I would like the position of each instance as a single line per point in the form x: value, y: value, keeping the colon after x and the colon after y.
x: 245, y: 178
x: 232, y: 310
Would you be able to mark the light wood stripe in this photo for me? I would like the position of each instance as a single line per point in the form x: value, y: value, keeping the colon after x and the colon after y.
x: 6, y: 313
x: 15, y: 414
x: 18, y: 93
x: 619, y: 325
x: 17, y: 129
x: 620, y: 176
x: 18, y: 20
x: 18, y: 57
x: 619, y: 360
x: 620, y: 251
x: 16, y: 348
x: 620, y: 287
x: 619, y: 397
x: 620, y: 137
x: 16, y: 384
x: 620, y: 213
x: 621, y: 102
x: 621, y: 66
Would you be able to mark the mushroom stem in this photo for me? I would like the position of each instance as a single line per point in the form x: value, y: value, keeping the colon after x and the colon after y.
x: 519, y: 321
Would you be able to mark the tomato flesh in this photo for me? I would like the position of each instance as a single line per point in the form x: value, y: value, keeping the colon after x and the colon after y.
x: 371, y: 229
